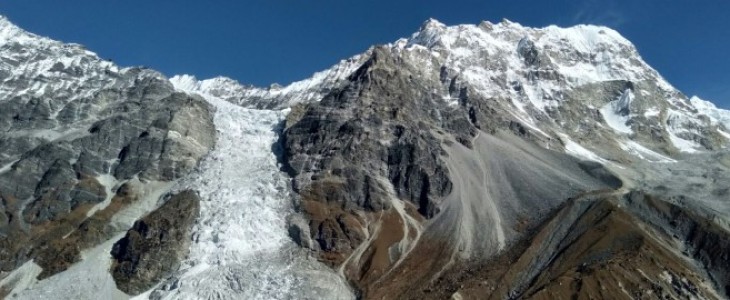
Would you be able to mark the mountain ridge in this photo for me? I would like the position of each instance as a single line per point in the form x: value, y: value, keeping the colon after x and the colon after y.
x: 466, y: 141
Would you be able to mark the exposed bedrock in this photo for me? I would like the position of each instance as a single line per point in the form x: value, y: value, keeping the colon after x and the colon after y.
x: 351, y: 151
x: 389, y: 174
x: 72, y: 174
x: 154, y: 247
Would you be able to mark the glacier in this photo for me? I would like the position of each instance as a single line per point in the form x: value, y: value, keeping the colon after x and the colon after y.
x: 241, y: 248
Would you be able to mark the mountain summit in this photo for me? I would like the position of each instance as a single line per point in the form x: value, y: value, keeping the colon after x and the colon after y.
x: 471, y: 161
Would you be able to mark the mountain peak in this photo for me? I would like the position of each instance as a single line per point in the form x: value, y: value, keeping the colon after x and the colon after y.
x: 9, y: 31
x: 431, y: 24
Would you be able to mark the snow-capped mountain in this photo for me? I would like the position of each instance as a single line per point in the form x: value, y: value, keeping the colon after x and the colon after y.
x: 540, y: 73
x: 275, y: 96
x: 489, y: 161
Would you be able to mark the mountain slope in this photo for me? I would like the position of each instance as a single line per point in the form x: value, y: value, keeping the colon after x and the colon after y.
x: 417, y: 154
x: 469, y: 161
x: 87, y: 148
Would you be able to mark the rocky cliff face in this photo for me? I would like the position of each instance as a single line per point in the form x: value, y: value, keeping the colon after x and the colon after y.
x: 437, y: 144
x: 80, y: 137
x: 154, y: 247
x: 471, y: 161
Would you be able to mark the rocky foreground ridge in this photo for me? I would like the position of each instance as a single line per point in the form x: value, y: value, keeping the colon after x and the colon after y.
x: 471, y: 161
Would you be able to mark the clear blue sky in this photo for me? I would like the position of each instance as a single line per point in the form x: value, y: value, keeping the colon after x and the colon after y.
x: 265, y: 41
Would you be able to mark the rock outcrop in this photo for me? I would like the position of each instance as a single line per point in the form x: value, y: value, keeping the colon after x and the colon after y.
x: 75, y: 130
x: 154, y: 247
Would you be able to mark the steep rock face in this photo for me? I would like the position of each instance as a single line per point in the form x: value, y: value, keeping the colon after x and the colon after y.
x: 374, y: 159
x: 75, y: 128
x: 444, y: 149
x: 439, y: 136
x: 155, y: 245
x: 351, y: 149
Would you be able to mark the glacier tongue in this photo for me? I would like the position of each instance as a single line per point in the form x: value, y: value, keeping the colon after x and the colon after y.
x: 241, y: 248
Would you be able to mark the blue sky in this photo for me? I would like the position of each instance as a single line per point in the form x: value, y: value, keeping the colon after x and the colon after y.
x: 265, y: 41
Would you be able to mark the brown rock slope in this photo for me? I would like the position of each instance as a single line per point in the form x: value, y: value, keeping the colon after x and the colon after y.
x: 596, y: 247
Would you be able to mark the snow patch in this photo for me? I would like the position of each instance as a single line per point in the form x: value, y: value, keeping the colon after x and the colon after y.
x: 724, y: 134
x: 709, y: 109
x: 108, y: 182
x: 617, y: 113
x: 92, y: 271
x: 579, y: 151
x: 310, y: 89
x: 682, y: 144
x: 21, y: 278
x: 678, y: 123
x: 644, y: 153
x: 652, y: 112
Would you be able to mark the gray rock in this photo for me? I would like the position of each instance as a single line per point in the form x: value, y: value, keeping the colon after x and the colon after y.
x: 372, y: 130
x: 528, y: 51
x: 155, y: 245
x: 65, y: 126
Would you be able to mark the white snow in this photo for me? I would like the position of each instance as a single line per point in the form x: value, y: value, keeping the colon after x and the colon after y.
x: 150, y: 193
x: 579, y: 151
x: 7, y: 166
x: 676, y: 124
x: 21, y: 278
x: 724, y: 134
x: 109, y: 182
x: 240, y: 246
x: 682, y: 144
x: 652, y: 112
x: 310, y: 89
x: 90, y: 278
x: 616, y: 113
x: 709, y: 109
x: 92, y: 274
x: 644, y: 153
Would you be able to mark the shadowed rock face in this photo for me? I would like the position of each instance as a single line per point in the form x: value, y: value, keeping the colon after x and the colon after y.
x: 154, y: 247
x: 376, y: 118
x: 349, y: 150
